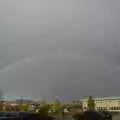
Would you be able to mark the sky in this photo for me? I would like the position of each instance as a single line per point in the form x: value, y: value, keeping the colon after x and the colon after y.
x: 64, y: 48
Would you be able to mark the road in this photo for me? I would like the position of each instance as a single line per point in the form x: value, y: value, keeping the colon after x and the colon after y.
x: 116, y: 118
x: 70, y: 118
x: 66, y: 118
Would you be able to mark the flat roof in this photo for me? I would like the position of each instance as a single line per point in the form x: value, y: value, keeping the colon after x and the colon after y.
x: 102, y: 98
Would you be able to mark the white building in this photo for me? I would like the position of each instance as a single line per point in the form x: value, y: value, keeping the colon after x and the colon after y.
x: 104, y: 103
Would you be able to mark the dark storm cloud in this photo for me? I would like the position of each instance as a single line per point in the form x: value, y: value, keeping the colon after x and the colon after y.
x: 57, y: 47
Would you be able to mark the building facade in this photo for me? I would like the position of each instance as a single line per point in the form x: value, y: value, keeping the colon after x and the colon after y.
x: 111, y: 104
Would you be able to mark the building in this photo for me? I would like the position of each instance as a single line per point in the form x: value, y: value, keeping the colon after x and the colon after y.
x: 18, y: 102
x: 104, y: 103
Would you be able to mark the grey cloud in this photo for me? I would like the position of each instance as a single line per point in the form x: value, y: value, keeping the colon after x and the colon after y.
x: 73, y: 47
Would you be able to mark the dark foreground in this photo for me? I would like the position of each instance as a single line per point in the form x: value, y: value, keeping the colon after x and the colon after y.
x: 32, y: 116
x: 116, y: 117
x: 23, y: 116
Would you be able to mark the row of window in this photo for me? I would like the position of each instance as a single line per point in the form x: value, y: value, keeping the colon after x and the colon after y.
x: 110, y: 108
x: 105, y: 108
x: 114, y: 108
x: 102, y: 108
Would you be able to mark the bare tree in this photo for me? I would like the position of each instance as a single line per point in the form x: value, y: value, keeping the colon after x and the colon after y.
x: 91, y: 103
x: 1, y: 99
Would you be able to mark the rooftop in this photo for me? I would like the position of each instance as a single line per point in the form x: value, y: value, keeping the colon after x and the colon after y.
x: 102, y: 98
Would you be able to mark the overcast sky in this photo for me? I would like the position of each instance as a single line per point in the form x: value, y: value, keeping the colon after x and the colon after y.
x: 65, y: 48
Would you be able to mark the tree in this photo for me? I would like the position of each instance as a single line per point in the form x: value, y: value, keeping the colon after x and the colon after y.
x: 1, y: 99
x: 24, y: 107
x: 57, y: 103
x: 91, y: 103
x: 77, y: 102
x: 73, y: 102
x: 43, y: 103
x: 44, y: 110
x: 1, y: 105
x: 77, y: 105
